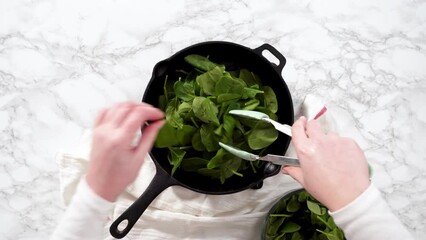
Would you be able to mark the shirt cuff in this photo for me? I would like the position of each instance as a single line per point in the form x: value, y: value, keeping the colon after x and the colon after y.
x: 93, y: 200
x: 358, y: 206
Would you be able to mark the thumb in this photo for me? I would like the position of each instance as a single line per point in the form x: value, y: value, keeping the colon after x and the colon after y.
x: 148, y: 137
x: 295, y: 172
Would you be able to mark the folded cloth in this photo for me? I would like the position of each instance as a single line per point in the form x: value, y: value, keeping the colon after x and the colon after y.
x: 179, y: 213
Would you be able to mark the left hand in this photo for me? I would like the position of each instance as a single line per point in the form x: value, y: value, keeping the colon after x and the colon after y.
x: 114, y: 161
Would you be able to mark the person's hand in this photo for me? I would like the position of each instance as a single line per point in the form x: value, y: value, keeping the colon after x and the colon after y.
x: 333, y: 169
x: 114, y: 160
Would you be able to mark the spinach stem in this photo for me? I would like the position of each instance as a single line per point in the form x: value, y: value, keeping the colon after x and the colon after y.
x: 165, y: 89
x: 194, y: 122
x: 322, y: 220
x: 252, y: 167
x: 185, y: 147
x: 326, y: 233
x: 235, y: 172
x: 182, y: 71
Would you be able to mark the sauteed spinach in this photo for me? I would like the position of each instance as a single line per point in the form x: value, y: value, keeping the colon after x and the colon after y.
x: 197, y: 103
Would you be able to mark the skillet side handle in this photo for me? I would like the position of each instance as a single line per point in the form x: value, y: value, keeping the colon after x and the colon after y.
x: 269, y: 170
x: 276, y: 54
x: 159, y: 183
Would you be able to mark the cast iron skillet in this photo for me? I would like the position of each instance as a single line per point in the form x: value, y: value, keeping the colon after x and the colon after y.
x: 234, y: 56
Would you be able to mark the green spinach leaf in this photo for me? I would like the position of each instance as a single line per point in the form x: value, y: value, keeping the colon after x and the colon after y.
x: 290, y: 227
x: 185, y: 135
x: 193, y: 164
x: 293, y: 205
x: 184, y: 90
x: 172, y: 115
x: 224, y: 97
x: 207, y: 81
x: 250, y: 92
x: 251, y: 105
x: 185, y: 110
x: 218, y: 159
x: 167, y: 136
x: 260, y: 138
x: 197, y: 144
x: 200, y: 62
x: 170, y: 136
x: 205, y: 110
x: 208, y: 138
x: 249, y: 78
x: 176, y: 157
x: 228, y: 84
x: 270, y: 99
x: 229, y: 124
x: 314, y: 207
x: 230, y: 168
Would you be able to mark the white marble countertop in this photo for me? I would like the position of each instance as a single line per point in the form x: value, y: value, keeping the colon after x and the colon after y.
x: 61, y: 61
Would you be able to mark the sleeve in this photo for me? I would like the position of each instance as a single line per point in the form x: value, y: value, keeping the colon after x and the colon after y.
x: 369, y: 217
x: 85, y: 217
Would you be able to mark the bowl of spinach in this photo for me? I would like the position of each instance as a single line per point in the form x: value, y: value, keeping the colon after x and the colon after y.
x: 196, y: 88
x: 299, y: 216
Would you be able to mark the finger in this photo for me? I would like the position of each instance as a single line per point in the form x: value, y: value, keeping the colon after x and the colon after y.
x: 136, y: 119
x: 147, y: 140
x: 123, y: 109
x: 140, y: 115
x: 112, y: 111
x: 314, y: 130
x: 119, y: 113
x: 100, y: 117
x: 284, y: 171
x: 295, y: 172
x: 298, y: 133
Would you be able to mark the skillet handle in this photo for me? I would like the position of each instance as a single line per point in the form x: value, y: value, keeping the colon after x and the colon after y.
x: 276, y: 54
x: 269, y: 170
x: 159, y: 183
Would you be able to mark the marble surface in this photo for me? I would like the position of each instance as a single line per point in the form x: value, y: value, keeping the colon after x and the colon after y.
x: 61, y: 61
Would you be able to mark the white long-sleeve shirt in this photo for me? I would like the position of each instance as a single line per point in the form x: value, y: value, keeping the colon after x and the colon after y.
x: 85, y: 217
x: 367, y: 217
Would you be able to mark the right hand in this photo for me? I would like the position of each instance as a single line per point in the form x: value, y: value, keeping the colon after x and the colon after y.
x: 332, y: 169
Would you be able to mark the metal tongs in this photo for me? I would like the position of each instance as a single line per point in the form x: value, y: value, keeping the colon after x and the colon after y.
x: 284, y: 128
x: 275, y: 159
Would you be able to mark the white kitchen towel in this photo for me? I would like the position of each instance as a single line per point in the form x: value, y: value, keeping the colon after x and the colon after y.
x: 179, y: 213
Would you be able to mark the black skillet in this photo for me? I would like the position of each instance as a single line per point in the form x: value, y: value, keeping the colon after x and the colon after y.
x: 234, y: 56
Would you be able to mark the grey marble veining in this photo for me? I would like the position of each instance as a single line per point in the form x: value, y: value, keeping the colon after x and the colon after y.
x: 61, y: 61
